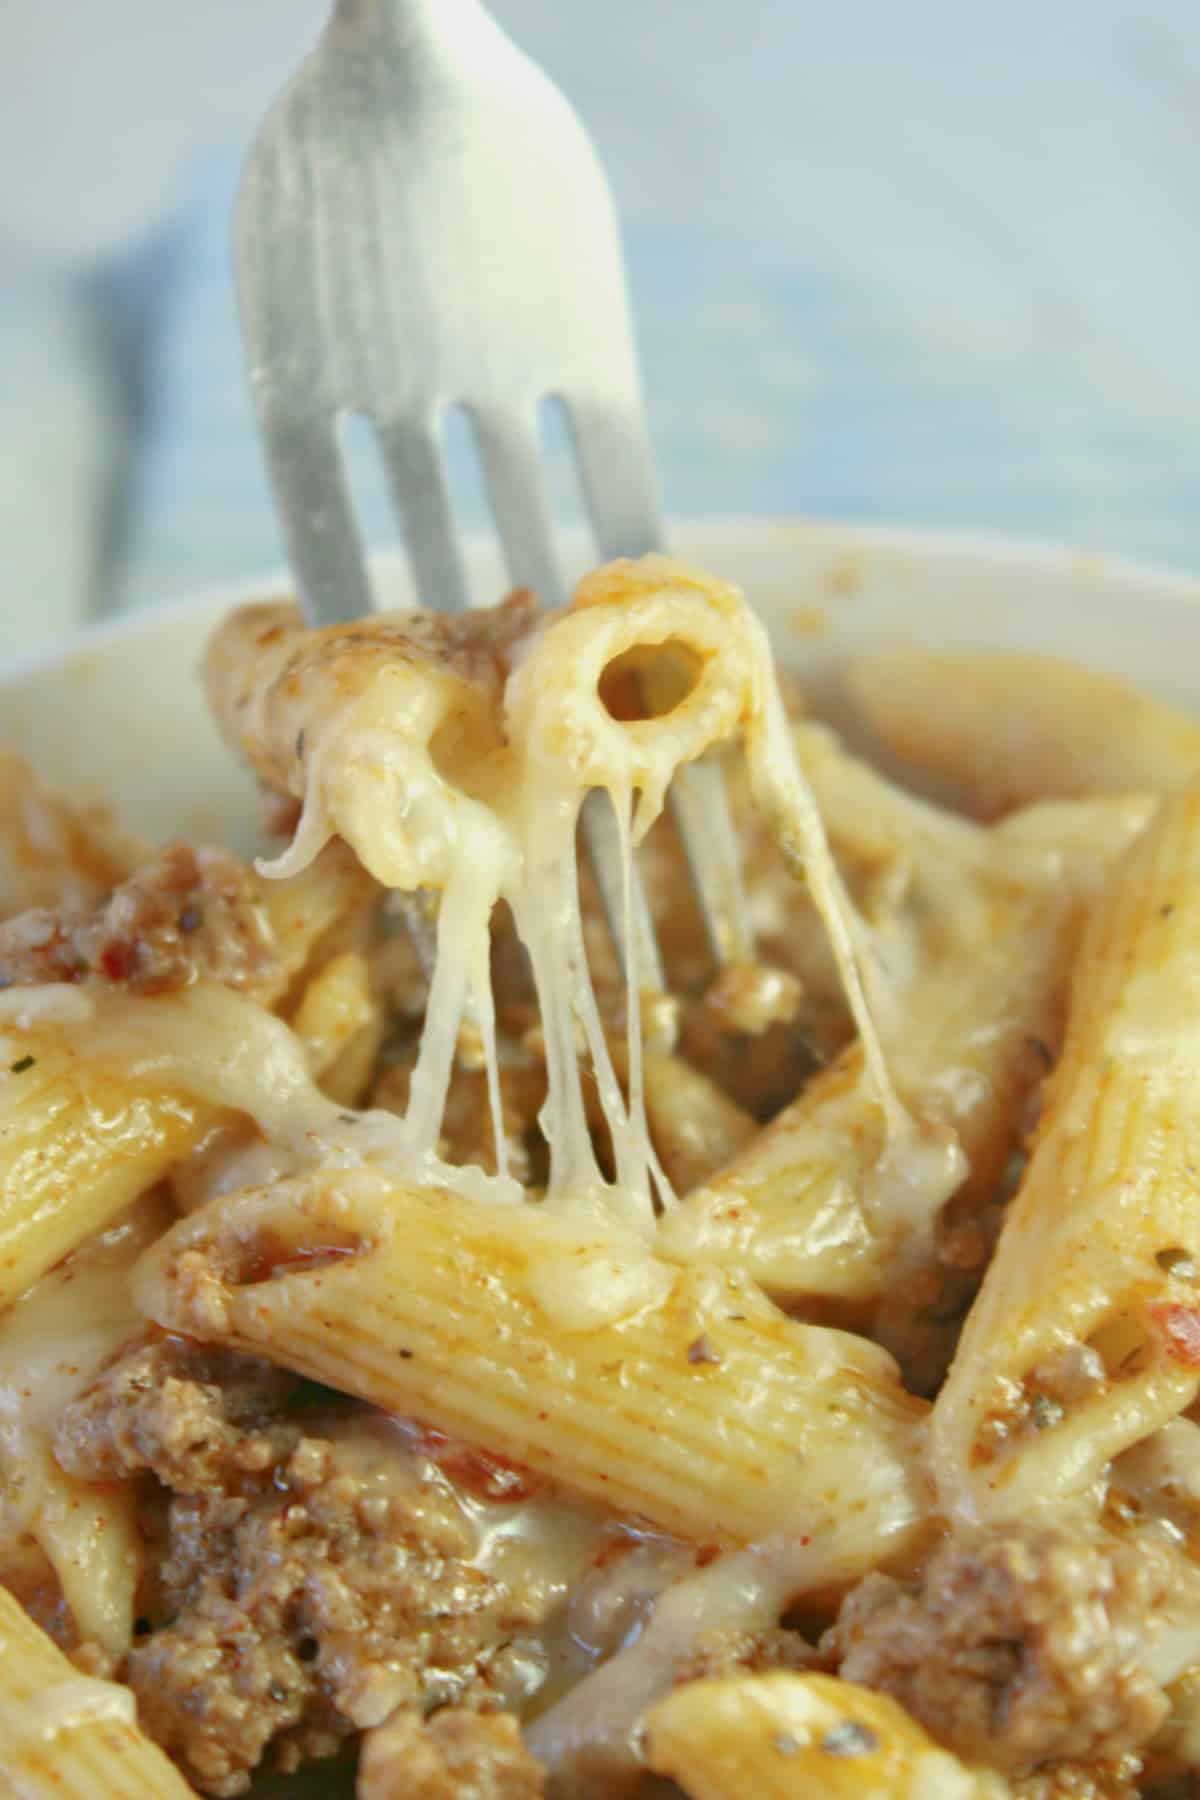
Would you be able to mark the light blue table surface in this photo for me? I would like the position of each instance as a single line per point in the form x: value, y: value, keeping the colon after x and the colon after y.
x: 936, y: 263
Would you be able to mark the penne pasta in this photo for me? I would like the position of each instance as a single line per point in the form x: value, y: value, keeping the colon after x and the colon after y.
x: 791, y: 1209
x: 999, y: 729
x: 67, y: 1736
x: 681, y: 1396
x: 1086, y: 1333
x: 872, y: 822
x: 78, y: 1145
x: 784, y: 1736
x: 814, y: 1205
x: 456, y: 755
x: 328, y: 899
x: 80, y: 1139
x: 341, y: 1024
x: 696, y: 1129
x: 694, y: 1126
x: 52, y: 1343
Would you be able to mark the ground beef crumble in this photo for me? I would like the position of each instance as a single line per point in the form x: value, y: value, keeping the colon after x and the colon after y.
x: 299, y: 1598
x: 185, y: 915
x: 718, y: 1653
x: 456, y: 1755
x: 1018, y: 1647
x: 1120, y: 1780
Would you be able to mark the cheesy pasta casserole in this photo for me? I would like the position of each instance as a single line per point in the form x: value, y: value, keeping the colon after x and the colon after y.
x: 439, y: 1357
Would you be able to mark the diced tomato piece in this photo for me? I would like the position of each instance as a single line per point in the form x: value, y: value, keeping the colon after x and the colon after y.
x: 483, y: 1473
x: 116, y: 959
x: 1180, y: 1325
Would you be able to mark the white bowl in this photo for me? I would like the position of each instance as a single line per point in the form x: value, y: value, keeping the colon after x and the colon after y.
x: 118, y: 714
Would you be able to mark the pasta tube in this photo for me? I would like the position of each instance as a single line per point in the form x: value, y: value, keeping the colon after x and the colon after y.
x: 681, y: 1396
x: 818, y: 1203
x: 52, y: 1343
x: 1003, y: 728
x: 327, y: 898
x: 694, y: 1125
x: 341, y: 1024
x: 457, y: 755
x: 78, y: 1144
x: 80, y: 1139
x: 785, y: 1736
x: 65, y: 1736
x: 1086, y: 1333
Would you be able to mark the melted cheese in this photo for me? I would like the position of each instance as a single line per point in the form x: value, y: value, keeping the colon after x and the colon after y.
x: 584, y: 1289
x: 445, y: 771
x: 218, y: 1046
x: 746, y: 1590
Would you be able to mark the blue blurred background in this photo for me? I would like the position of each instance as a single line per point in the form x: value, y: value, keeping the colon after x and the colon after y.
x: 937, y: 263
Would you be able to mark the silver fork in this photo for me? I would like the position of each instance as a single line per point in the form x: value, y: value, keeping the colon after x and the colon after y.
x: 422, y: 223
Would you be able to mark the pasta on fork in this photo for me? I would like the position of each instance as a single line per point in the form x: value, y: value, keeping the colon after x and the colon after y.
x: 436, y: 1359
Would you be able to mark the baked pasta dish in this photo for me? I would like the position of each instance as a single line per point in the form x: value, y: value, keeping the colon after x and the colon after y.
x: 442, y: 1355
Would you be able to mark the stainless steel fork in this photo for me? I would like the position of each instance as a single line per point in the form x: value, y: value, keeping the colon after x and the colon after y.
x: 422, y: 223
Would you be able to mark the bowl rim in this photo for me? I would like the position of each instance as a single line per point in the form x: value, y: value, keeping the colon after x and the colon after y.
x: 929, y: 543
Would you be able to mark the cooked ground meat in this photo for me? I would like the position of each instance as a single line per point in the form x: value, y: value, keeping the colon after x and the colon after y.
x: 455, y: 1755
x: 920, y: 1318
x: 719, y: 1653
x: 299, y: 1597
x: 193, y: 1415
x: 1119, y: 1780
x: 186, y: 914
x: 1019, y: 1647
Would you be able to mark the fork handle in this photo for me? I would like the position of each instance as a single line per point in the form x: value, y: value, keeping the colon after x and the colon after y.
x: 405, y: 18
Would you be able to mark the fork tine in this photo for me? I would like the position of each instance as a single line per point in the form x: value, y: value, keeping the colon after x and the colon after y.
x: 371, y: 278
x: 508, y: 450
x: 700, y: 804
x: 417, y: 479
x: 312, y: 500
x: 618, y: 482
x: 617, y: 473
